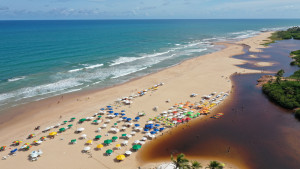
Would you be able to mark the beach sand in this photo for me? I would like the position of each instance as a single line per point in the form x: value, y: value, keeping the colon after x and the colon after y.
x: 202, y: 75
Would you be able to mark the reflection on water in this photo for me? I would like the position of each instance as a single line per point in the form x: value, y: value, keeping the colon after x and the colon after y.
x: 253, y: 131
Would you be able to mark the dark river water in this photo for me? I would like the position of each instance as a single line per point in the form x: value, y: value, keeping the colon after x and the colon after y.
x: 253, y: 131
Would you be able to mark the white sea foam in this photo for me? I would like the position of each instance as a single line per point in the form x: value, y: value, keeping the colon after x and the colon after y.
x: 93, y: 66
x: 16, y: 78
x: 75, y: 70
x: 126, y: 72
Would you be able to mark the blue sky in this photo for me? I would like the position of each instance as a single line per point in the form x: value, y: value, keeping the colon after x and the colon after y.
x: 148, y: 9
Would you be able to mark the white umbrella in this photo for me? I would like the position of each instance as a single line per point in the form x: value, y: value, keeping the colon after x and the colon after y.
x: 136, y: 142
x: 39, y: 142
x: 101, y: 112
x: 83, y: 136
x: 144, y: 139
x: 87, y: 148
x: 104, y: 125
x: 107, y: 120
x: 34, y: 155
x: 133, y: 133
x: 128, y: 152
x: 80, y: 129
x: 113, y: 129
x: 128, y: 135
x: 142, y: 142
x: 150, y: 122
x: 99, y: 129
x: 125, y: 142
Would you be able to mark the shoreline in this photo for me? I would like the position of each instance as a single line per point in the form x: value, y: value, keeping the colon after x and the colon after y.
x: 46, y: 112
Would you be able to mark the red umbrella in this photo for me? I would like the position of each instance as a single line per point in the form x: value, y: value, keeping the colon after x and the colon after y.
x: 179, y: 121
x: 174, y: 119
x: 188, y: 118
x: 174, y: 112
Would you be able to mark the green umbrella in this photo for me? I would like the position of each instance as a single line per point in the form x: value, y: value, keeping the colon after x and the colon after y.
x: 70, y: 125
x: 98, y: 137
x: 95, y: 121
x: 73, y: 118
x: 99, y: 116
x: 65, y: 121
x: 180, y: 107
x: 107, y: 141
x: 114, y: 137
x: 124, y: 135
x: 136, y: 147
x: 115, y: 124
x: 82, y: 120
x: 73, y: 141
x: 109, y: 151
x: 62, y: 129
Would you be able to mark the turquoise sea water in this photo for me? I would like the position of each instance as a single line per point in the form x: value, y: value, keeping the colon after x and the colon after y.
x: 39, y: 59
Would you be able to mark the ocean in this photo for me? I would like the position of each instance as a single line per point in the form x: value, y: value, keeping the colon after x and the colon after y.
x: 40, y: 59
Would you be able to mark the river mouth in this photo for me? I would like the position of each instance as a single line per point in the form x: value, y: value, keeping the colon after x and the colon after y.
x: 254, y: 132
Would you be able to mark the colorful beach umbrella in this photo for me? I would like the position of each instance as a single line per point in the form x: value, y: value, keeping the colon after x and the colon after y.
x: 109, y: 151
x: 120, y: 157
x: 136, y: 147
x: 99, y: 146
x: 52, y: 133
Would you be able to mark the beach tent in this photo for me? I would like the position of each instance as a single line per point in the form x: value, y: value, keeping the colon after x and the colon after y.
x: 120, y: 157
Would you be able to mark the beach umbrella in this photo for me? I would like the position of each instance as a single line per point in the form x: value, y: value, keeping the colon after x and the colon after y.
x: 2, y: 148
x: 136, y: 125
x: 109, y: 151
x: 114, y: 138
x: 65, y: 121
x: 110, y: 111
x: 124, y: 118
x: 125, y: 142
x: 83, y: 136
x: 115, y: 124
x: 82, y: 120
x: 128, y: 135
x: 99, y: 146
x: 73, y: 141
x: 89, y: 142
x: 150, y: 122
x: 31, y: 135
x: 136, y: 142
x: 107, y: 141
x: 73, y: 118
x: 102, y: 109
x: 136, y: 147
x: 70, y: 125
x: 122, y: 110
x: 129, y: 119
x: 86, y: 148
x: 122, y: 114
x: 123, y: 135
x: 43, y: 138
x: 52, y: 133
x: 118, y: 145
x: 133, y: 133
x: 146, y: 129
x: 161, y: 129
x: 120, y: 157
x: 137, y: 118
x: 116, y: 114
x: 98, y: 137
x: 153, y: 132
x: 62, y: 129
x: 128, y: 152
x: 156, y: 125
x: 80, y: 129
x: 99, y: 116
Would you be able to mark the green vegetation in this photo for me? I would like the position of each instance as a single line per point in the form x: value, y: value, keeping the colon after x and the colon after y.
x: 182, y: 163
x: 286, y: 92
x: 290, y: 33
x: 296, y: 58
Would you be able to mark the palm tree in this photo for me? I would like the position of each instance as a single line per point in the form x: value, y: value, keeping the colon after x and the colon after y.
x: 215, y: 165
x: 180, y: 162
x: 196, y: 165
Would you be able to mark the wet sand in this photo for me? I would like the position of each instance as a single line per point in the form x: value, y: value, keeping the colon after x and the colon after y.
x: 253, y: 133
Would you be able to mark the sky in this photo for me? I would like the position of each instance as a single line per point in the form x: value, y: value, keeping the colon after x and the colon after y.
x: 147, y: 9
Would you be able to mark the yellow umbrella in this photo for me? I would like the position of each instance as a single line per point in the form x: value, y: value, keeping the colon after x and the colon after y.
x: 52, y: 134
x: 120, y: 157
x: 99, y: 146
x: 118, y: 145
x: 89, y: 141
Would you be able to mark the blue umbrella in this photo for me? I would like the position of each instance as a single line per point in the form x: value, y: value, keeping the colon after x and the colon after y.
x: 124, y: 118
x: 153, y: 132
x: 151, y: 126
x: 122, y: 114
x: 129, y: 119
x: 13, y: 151
x: 122, y: 110
x: 155, y: 129
x: 161, y: 129
x: 102, y: 109
x: 110, y: 111
x: 108, y: 106
x: 116, y: 114
x: 146, y: 129
x: 156, y: 125
x: 137, y: 118
x: 136, y: 125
